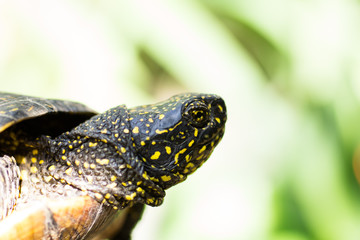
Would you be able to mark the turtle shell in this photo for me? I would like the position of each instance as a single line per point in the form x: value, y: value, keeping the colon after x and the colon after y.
x: 49, y: 116
x: 72, y: 218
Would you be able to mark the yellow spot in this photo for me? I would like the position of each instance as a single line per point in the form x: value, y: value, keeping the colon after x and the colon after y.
x: 126, y: 130
x: 170, y: 129
x: 155, y: 156
x: 218, y: 120
x: 153, y: 142
x: 92, y: 166
x: 98, y: 195
x: 202, y: 149
x: 33, y: 160
x: 104, y: 131
x: 190, y: 165
x: 187, y: 158
x: 23, y: 160
x: 168, y: 149
x: 144, y: 175
x: 150, y: 200
x: 91, y: 144
x: 166, y: 178
x: 178, y: 153
x: 191, y: 143
x: 24, y: 174
x: 35, y: 180
x: 139, y: 189
x: 30, y: 108
x: 107, y: 196
x: 77, y: 162
x: 195, y: 132
x: 90, y: 179
x: 123, y: 150
x: 86, y: 165
x: 113, y: 178
x: 200, y: 157
x: 35, y: 152
x: 102, y: 161
x: 142, y: 143
x: 220, y: 108
x: 176, y: 158
x: 160, y: 132
x: 135, y: 130
x: 70, y: 146
x: 52, y: 168
x: 116, y: 135
x: 47, y: 178
x: 41, y: 162
x: 131, y: 196
x: 33, y: 169
x: 161, y: 116
x: 63, y: 157
x: 124, y: 184
x: 182, y: 150
x: 68, y: 171
x: 151, y: 120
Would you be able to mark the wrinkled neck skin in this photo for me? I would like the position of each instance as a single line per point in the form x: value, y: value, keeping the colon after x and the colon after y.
x: 97, y: 159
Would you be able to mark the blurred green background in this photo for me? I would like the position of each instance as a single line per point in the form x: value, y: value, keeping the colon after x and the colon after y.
x: 289, y: 71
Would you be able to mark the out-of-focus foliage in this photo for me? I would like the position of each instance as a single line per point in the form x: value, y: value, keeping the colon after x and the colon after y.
x: 288, y: 70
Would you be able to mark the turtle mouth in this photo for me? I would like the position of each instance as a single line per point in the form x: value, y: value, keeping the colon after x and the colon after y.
x: 214, y: 139
x: 202, y: 153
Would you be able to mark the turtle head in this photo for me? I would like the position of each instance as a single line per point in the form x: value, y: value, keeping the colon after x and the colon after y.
x: 175, y: 137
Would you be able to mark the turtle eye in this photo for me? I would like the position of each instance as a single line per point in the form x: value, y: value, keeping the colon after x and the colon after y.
x: 198, y: 114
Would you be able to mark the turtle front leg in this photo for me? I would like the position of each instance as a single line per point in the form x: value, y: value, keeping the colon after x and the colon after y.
x: 132, y: 217
x: 9, y: 185
x: 122, y: 224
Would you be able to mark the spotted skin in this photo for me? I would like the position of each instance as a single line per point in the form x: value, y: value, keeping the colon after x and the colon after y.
x: 118, y: 158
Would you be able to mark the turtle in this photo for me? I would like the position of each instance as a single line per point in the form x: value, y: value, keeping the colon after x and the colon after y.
x: 68, y: 172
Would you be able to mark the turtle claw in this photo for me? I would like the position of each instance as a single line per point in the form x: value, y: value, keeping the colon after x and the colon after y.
x: 9, y: 185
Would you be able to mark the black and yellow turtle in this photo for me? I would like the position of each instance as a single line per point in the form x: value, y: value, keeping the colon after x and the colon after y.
x: 67, y: 172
